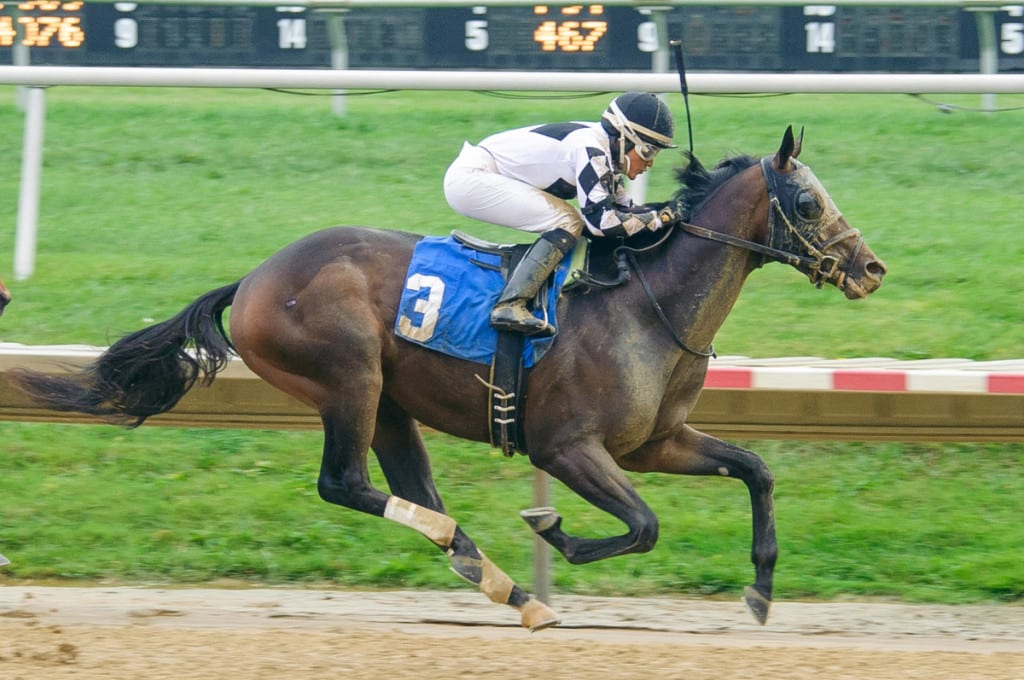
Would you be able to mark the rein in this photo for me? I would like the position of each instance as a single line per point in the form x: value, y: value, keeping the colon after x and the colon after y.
x: 710, y: 352
x: 769, y: 252
x: 625, y: 258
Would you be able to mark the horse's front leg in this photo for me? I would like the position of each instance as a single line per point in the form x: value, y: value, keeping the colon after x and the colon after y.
x: 694, y: 453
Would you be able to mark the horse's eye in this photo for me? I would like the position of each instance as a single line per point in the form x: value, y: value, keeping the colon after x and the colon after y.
x: 807, y: 206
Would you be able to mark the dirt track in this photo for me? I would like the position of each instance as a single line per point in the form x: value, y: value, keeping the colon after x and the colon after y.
x: 115, y: 633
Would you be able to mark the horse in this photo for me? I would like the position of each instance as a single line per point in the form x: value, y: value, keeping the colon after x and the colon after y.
x: 612, y: 394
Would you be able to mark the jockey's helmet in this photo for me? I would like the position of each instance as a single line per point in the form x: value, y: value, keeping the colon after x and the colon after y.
x: 641, y: 120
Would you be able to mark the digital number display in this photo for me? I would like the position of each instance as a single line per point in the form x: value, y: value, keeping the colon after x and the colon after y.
x: 577, y: 29
x: 590, y: 37
x: 585, y: 36
x: 41, y: 23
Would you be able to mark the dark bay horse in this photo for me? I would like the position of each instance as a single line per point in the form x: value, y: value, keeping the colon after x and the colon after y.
x: 613, y: 393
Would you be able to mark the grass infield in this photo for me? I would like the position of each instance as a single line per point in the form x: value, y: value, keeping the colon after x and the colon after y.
x: 151, y: 197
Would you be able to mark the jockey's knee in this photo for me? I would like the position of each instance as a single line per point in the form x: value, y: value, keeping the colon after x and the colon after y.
x: 569, y: 220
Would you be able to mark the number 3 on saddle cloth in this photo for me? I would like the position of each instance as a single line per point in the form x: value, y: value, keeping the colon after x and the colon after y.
x: 450, y: 287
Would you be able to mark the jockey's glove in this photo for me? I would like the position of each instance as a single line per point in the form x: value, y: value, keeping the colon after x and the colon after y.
x: 667, y: 216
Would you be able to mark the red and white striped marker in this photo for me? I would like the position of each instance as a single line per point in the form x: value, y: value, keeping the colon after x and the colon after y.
x: 950, y: 376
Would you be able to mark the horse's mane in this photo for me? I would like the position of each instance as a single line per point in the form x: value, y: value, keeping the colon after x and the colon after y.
x: 698, y: 183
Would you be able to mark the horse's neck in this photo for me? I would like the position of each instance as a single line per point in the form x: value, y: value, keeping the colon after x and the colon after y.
x: 708, y: 276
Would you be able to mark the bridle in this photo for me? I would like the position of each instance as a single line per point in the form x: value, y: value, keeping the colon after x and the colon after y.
x: 819, y: 266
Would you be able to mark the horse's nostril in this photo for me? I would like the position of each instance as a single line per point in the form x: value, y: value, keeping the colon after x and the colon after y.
x: 875, y: 268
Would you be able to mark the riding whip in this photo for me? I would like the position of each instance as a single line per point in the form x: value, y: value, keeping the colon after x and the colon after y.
x: 677, y: 50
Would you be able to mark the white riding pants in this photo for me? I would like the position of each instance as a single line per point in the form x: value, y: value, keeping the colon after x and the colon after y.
x: 474, y: 188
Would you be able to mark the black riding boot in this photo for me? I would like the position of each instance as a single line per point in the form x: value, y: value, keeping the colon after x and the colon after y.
x: 510, y: 313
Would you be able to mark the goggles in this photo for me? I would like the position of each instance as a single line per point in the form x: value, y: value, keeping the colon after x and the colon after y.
x: 646, y: 151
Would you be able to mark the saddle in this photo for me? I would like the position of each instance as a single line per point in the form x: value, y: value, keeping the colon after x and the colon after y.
x: 451, y: 285
x: 506, y: 393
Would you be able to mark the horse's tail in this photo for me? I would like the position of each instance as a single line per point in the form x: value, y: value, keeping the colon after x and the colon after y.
x: 146, y: 372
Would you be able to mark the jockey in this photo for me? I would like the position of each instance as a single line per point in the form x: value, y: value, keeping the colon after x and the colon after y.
x: 524, y: 178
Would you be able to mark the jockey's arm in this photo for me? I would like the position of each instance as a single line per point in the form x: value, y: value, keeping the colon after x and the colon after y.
x: 607, y: 208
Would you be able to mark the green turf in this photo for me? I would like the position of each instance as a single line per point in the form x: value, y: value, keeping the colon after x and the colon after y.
x: 152, y: 197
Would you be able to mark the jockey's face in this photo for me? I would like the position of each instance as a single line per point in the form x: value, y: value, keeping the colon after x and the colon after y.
x: 635, y: 165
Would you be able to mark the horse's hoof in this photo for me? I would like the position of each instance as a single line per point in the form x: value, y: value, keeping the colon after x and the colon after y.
x: 4, y: 561
x: 757, y: 603
x: 541, y: 519
x: 537, y: 616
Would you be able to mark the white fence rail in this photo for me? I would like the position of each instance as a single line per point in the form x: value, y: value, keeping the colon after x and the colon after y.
x: 699, y: 83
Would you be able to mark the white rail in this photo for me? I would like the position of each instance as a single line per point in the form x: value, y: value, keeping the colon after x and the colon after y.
x: 327, y: 79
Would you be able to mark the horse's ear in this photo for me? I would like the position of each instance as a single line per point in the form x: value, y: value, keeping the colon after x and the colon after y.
x: 799, y: 143
x: 788, y: 149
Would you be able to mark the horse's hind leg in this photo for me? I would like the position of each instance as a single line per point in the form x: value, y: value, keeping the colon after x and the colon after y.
x: 416, y: 503
x: 403, y: 457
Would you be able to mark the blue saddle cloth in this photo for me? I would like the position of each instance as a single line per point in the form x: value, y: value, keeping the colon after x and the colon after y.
x: 446, y: 302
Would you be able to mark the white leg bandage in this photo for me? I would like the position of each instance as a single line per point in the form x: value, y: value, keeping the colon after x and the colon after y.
x: 495, y: 584
x: 437, y: 527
